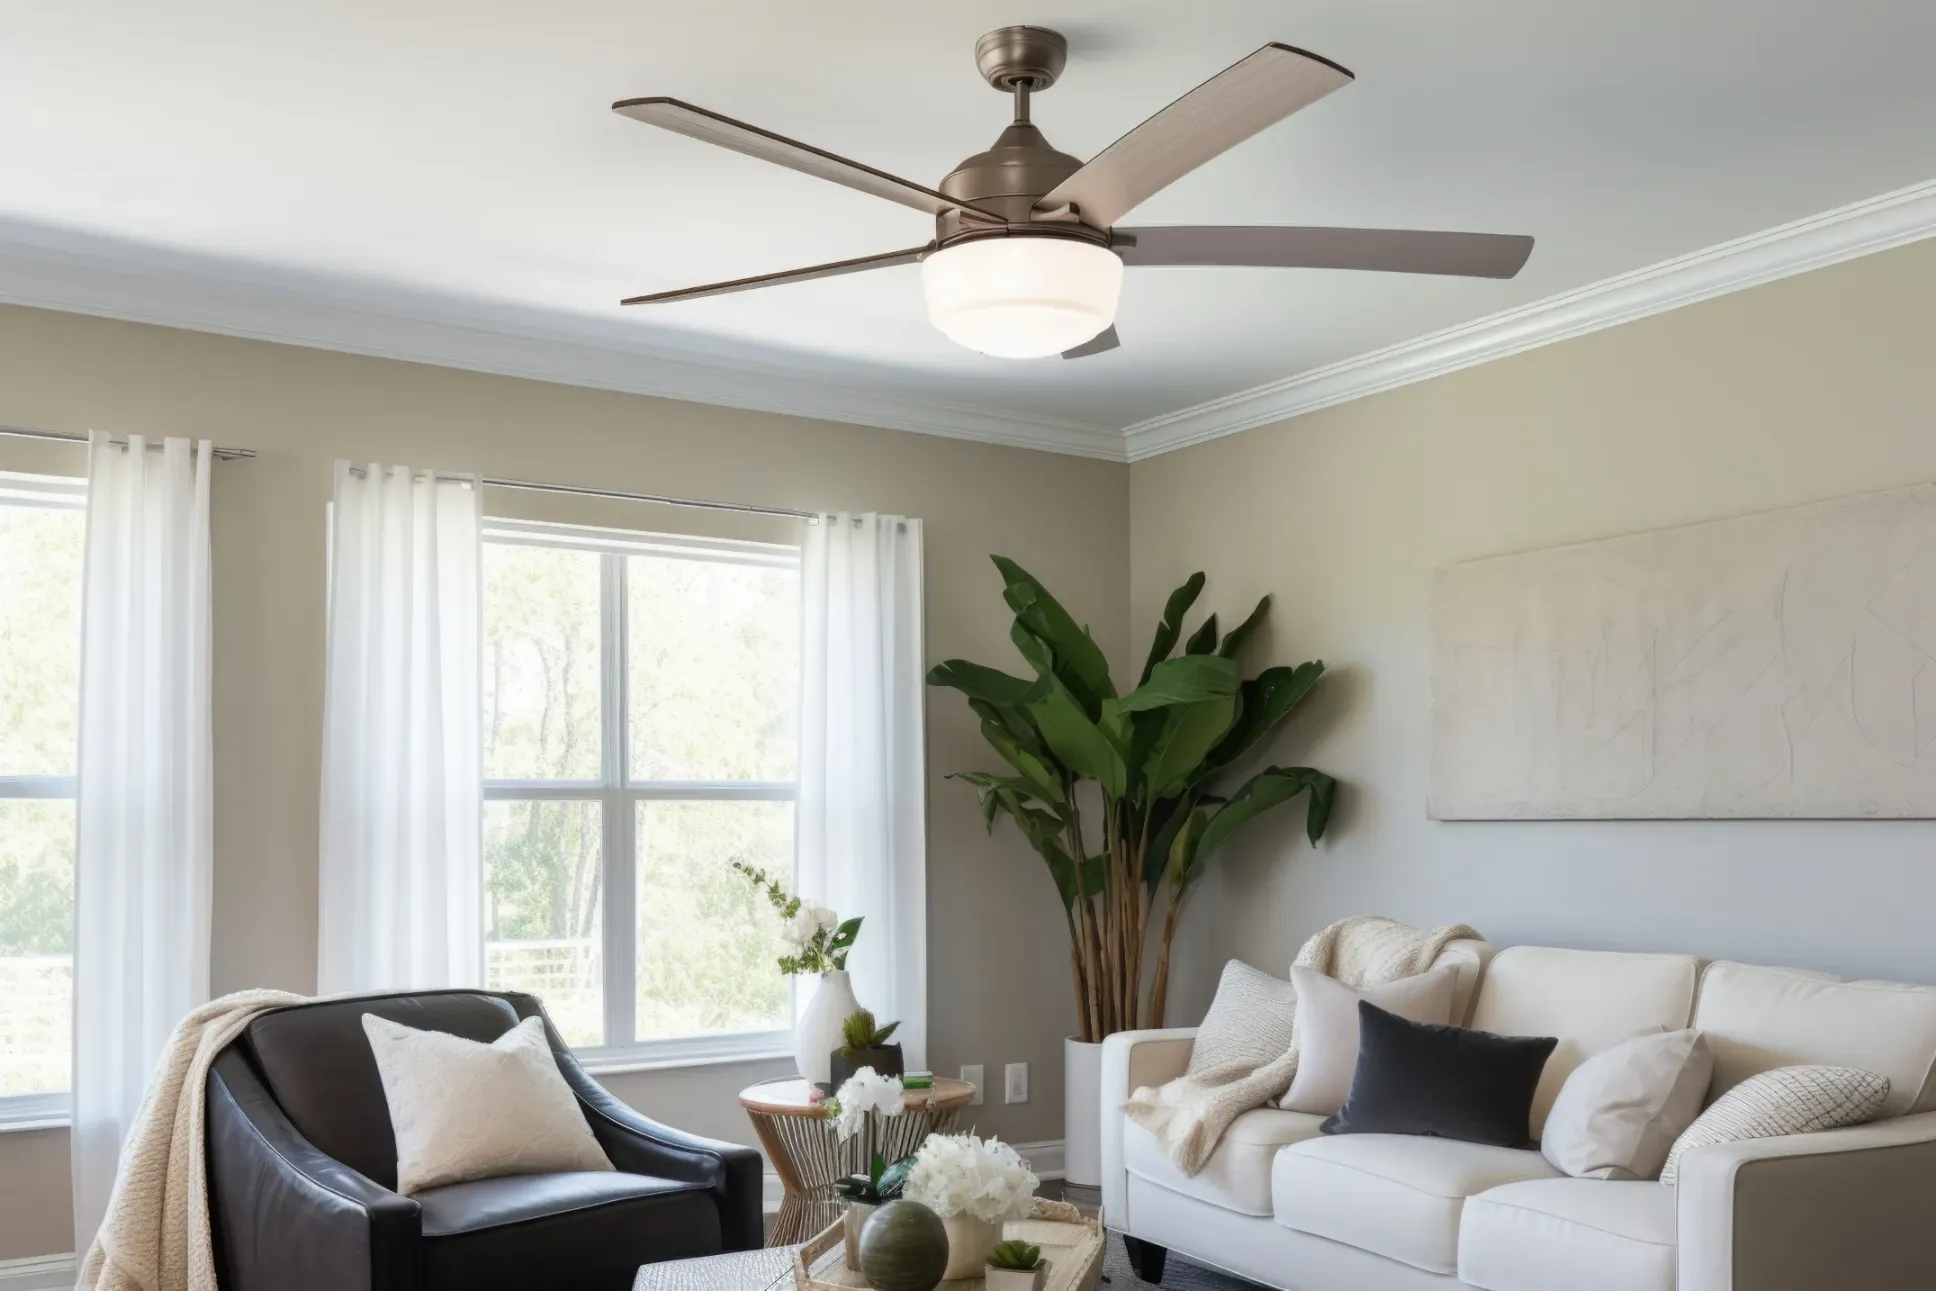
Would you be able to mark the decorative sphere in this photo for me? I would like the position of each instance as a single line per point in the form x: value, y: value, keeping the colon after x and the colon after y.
x: 903, y: 1247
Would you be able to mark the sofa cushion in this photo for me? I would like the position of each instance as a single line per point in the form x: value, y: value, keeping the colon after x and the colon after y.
x: 1394, y: 1195
x: 592, y: 1229
x: 1581, y: 1234
x: 1757, y: 1019
x: 1238, y: 1174
x: 1590, y: 999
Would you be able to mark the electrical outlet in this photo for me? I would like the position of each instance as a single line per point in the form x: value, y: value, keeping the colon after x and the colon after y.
x: 972, y: 1074
x: 1016, y: 1089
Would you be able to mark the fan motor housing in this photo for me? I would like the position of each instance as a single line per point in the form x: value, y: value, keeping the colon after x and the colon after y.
x: 1008, y: 178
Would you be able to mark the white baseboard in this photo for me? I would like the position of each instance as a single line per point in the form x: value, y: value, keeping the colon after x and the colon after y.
x: 1045, y: 1158
x: 38, y: 1273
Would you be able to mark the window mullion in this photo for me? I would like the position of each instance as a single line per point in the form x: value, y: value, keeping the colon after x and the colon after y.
x: 620, y: 949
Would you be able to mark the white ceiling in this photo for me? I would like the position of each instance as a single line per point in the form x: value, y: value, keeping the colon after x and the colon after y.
x: 458, y: 161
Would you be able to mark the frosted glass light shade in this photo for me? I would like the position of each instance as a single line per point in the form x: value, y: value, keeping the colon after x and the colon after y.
x: 1022, y: 297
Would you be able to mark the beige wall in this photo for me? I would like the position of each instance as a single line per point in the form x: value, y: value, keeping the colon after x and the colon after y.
x: 998, y: 988
x: 1815, y: 387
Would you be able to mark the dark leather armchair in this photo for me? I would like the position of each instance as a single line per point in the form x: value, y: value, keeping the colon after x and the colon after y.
x: 302, y: 1172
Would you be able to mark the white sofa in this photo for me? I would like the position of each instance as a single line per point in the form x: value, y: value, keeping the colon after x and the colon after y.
x: 1285, y: 1206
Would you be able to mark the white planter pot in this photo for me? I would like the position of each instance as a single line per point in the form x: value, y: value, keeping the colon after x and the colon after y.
x: 1016, y: 1279
x: 970, y: 1242
x: 817, y: 1034
x: 1082, y: 1113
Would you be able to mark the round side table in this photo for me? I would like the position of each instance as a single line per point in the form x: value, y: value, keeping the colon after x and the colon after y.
x: 809, y: 1158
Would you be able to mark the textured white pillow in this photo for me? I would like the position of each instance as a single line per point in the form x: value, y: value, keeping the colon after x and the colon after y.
x: 1787, y: 1100
x: 1249, y: 1023
x: 463, y: 1110
x: 1620, y: 1111
x: 1327, y: 1029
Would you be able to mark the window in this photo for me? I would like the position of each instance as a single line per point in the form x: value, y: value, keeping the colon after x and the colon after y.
x: 639, y: 712
x: 42, y: 533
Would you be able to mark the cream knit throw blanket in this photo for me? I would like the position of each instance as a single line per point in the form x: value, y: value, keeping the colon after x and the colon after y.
x: 155, y: 1236
x: 1190, y: 1114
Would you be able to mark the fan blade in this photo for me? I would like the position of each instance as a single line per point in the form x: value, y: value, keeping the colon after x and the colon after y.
x: 1464, y: 255
x: 710, y: 127
x: 1216, y: 116
x: 859, y: 264
x: 1101, y: 343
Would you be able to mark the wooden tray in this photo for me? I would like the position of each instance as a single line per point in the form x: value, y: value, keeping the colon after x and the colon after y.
x: 1070, y: 1242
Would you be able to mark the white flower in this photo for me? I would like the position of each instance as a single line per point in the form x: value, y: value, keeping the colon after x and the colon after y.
x: 865, y: 1092
x: 811, y: 919
x: 957, y: 1174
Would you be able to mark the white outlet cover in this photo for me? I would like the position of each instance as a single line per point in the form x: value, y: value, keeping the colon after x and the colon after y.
x: 972, y: 1074
x: 1015, y: 1090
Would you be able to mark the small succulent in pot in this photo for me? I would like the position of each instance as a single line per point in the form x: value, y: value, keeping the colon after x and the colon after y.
x: 865, y: 1045
x: 1015, y: 1266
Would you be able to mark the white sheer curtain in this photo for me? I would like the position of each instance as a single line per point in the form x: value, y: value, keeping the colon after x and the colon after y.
x: 862, y: 805
x: 400, y: 867
x: 143, y: 832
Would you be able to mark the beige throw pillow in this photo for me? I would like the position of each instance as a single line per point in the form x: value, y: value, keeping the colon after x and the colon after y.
x: 1249, y: 1022
x: 1787, y: 1100
x: 1327, y: 1030
x: 1621, y: 1110
x: 463, y: 1110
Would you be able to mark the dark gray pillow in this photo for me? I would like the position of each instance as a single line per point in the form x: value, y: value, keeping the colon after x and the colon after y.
x: 1447, y: 1082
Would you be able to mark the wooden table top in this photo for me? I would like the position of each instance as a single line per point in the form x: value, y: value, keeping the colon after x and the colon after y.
x: 796, y: 1097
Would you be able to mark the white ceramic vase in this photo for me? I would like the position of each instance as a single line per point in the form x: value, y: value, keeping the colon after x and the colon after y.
x: 970, y: 1242
x: 1016, y: 1279
x: 1082, y: 1113
x: 817, y: 1034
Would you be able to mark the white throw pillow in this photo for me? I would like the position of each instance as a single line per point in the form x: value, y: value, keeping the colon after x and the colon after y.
x: 1618, y: 1114
x: 1249, y: 1023
x: 463, y: 1110
x: 1327, y: 1029
x: 1787, y: 1100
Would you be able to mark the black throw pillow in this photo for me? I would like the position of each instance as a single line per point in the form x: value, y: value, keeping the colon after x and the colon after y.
x: 1448, y: 1082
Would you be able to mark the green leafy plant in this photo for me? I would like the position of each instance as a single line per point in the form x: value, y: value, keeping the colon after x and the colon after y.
x: 881, y: 1183
x: 859, y: 1032
x: 1149, y: 763
x: 1021, y: 1256
x: 821, y: 941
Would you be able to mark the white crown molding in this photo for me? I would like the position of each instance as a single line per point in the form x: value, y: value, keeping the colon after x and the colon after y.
x: 1863, y: 228
x: 74, y: 274
x: 38, y: 1273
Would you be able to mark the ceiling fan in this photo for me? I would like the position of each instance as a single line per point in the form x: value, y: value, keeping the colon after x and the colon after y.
x: 1027, y: 257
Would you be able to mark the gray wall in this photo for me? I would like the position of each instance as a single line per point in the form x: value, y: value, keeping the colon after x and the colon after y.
x: 1815, y: 387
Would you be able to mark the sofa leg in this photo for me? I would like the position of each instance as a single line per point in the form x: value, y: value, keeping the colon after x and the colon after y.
x: 1145, y: 1258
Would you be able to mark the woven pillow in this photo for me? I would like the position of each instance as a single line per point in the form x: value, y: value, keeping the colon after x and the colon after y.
x: 1249, y: 1023
x: 463, y: 1110
x: 1787, y: 1100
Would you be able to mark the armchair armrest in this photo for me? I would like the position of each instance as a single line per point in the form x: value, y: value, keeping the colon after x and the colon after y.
x: 638, y: 1144
x: 1130, y: 1061
x: 285, y: 1217
x: 1847, y: 1207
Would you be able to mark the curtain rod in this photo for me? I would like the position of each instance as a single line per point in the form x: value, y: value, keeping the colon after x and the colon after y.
x: 532, y: 486
x: 68, y: 436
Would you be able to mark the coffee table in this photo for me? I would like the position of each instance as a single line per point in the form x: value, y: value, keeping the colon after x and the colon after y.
x: 1073, y: 1245
x: 809, y: 1158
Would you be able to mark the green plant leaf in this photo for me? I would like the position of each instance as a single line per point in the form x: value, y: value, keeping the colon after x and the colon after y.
x: 1077, y: 741
x: 1263, y: 791
x: 1268, y: 699
x: 844, y: 935
x: 1071, y: 642
x: 977, y: 682
x: 1204, y: 639
x: 1170, y: 628
x: 1233, y: 643
x: 882, y: 1036
x: 1043, y: 780
x: 1187, y: 680
x: 1180, y: 861
x: 1034, y: 651
x: 894, y: 1178
x: 1190, y: 731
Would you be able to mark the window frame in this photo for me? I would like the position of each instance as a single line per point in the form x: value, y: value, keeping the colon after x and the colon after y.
x: 61, y: 493
x: 618, y: 795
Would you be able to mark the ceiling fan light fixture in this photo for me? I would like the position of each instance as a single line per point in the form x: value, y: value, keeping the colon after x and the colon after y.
x: 1022, y: 297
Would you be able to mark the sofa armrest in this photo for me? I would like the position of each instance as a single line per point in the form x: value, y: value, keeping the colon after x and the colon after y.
x: 1847, y: 1207
x: 286, y: 1217
x: 637, y: 1144
x: 1130, y: 1061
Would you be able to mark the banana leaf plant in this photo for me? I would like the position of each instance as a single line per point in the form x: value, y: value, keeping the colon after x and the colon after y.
x: 1150, y: 765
